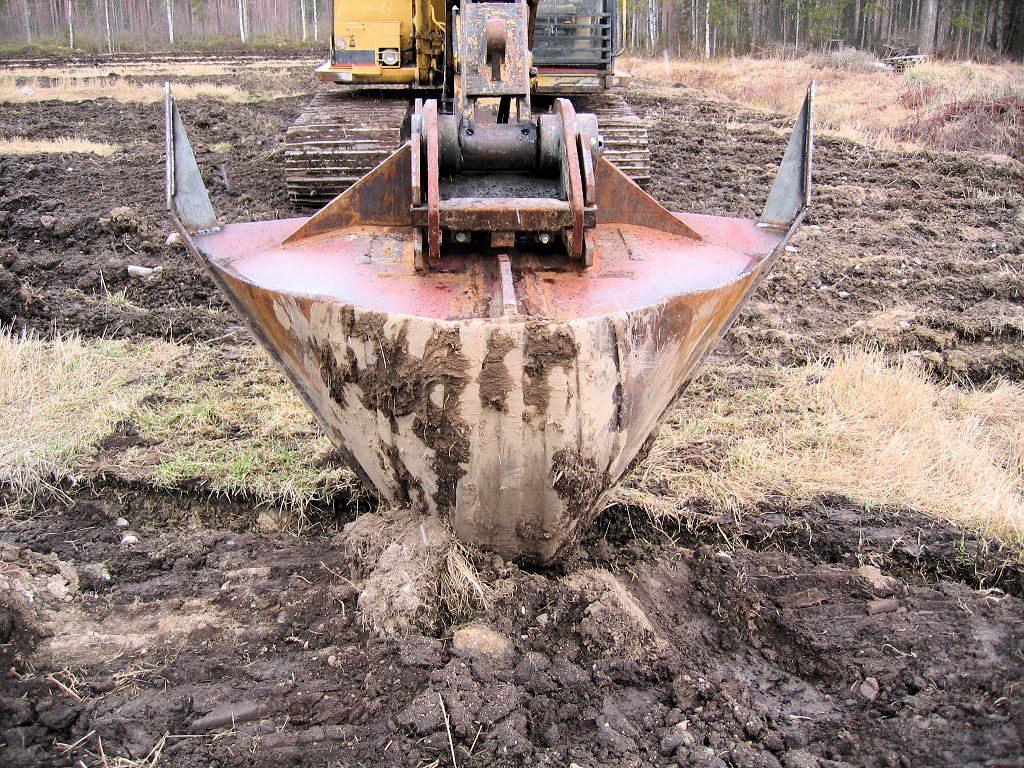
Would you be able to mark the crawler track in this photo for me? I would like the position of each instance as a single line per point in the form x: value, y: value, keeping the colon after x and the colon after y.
x: 337, y: 140
x: 625, y: 134
x: 343, y: 135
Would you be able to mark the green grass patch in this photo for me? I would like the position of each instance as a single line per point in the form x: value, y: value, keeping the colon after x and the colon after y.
x: 217, y: 420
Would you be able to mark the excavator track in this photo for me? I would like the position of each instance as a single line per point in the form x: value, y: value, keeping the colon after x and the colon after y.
x: 341, y: 136
x: 625, y: 134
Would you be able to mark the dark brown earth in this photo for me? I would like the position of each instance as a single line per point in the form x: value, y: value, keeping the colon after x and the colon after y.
x: 818, y: 636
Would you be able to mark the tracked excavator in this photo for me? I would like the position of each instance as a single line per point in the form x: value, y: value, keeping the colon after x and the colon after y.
x: 492, y: 323
x: 386, y: 53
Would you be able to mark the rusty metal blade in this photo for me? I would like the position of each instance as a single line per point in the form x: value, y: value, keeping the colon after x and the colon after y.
x: 791, y: 192
x: 383, y: 198
x: 187, y: 198
x: 621, y: 201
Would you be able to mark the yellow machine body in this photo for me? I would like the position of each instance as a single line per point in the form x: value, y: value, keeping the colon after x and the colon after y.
x: 395, y: 42
x: 386, y: 42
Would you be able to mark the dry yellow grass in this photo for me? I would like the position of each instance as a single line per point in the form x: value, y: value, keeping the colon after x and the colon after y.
x: 865, y: 106
x: 62, y: 145
x: 245, y: 434
x: 876, y: 432
x: 58, y: 398
x: 160, y: 69
x: 16, y: 91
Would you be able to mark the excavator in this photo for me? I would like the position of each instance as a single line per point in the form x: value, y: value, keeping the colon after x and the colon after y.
x: 386, y: 53
x: 491, y: 323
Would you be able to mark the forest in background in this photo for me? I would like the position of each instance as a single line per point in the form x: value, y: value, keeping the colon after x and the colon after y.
x: 977, y: 29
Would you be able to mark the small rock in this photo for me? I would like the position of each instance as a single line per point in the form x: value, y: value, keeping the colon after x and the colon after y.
x: 876, y: 578
x: 136, y: 271
x: 481, y: 641
x: 869, y: 689
x: 26, y: 90
x: 175, y: 238
x: 129, y: 539
x: 121, y: 522
x: 791, y: 249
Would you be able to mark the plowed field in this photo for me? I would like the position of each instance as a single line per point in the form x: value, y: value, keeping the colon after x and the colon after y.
x: 822, y: 634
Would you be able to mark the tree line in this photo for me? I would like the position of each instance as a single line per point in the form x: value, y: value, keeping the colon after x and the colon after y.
x: 979, y: 29
x: 128, y: 25
x: 961, y: 29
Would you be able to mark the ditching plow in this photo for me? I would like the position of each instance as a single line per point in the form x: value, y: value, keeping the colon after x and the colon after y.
x: 492, y: 325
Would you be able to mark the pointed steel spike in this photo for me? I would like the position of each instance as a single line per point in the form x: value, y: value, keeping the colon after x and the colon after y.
x: 382, y: 197
x: 791, y: 192
x: 187, y: 199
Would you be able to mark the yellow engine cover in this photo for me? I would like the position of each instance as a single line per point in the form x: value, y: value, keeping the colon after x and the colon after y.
x: 383, y: 41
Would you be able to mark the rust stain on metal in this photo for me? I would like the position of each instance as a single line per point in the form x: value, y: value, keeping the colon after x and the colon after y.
x: 422, y: 389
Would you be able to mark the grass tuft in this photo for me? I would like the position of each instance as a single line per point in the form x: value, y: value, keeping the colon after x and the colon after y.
x: 877, y: 432
x: 58, y: 398
x: 163, y: 415
x: 62, y: 145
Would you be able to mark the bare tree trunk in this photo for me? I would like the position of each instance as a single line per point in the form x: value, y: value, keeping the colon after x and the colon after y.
x: 170, y: 21
x: 707, y: 29
x: 926, y: 27
x: 28, y: 22
x: 999, y: 27
x: 302, y: 13
x: 652, y: 26
x: 694, y: 10
x: 241, y: 20
x: 316, y: 21
x: 106, y: 20
x: 71, y: 24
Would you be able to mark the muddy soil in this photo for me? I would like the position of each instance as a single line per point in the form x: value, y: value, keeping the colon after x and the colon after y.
x: 70, y: 225
x: 920, y: 252
x: 135, y: 624
x: 649, y: 647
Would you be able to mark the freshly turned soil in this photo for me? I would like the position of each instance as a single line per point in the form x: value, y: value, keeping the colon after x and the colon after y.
x: 648, y: 647
x: 818, y: 636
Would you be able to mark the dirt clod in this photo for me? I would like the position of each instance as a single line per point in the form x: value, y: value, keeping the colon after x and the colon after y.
x: 478, y: 641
